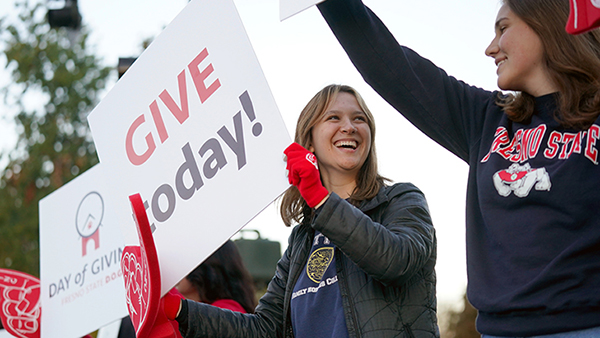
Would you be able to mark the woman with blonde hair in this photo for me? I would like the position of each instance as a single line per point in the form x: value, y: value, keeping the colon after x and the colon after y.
x: 361, y: 257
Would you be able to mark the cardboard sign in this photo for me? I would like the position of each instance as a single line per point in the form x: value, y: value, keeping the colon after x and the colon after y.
x: 288, y: 8
x: 193, y: 128
x: 81, y: 245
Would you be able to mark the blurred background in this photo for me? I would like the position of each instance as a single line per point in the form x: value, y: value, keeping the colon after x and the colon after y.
x: 59, y: 58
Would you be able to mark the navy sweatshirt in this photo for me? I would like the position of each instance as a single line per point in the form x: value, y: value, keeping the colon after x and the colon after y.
x: 533, y: 194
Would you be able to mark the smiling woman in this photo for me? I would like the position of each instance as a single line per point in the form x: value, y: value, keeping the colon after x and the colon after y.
x: 360, y: 261
x: 532, y: 222
x: 341, y: 140
x: 338, y: 115
x: 519, y: 56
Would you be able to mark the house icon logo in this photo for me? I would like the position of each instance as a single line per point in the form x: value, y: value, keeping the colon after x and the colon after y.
x: 88, y: 220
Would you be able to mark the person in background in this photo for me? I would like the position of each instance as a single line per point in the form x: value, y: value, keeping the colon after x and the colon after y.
x: 533, y: 222
x: 221, y: 280
x: 360, y: 259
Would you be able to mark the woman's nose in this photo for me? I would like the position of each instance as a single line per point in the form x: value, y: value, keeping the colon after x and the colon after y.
x: 348, y: 127
x: 492, y: 49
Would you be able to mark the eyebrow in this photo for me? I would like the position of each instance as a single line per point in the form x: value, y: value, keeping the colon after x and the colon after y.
x: 339, y: 112
x: 499, y: 21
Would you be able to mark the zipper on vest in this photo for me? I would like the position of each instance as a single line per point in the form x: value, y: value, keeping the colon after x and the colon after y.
x: 340, y: 273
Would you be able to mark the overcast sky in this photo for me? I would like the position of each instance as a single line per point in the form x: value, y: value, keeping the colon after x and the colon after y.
x: 300, y: 55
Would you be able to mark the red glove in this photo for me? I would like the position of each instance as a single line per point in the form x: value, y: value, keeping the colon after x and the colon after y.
x: 171, y: 303
x: 584, y: 16
x: 164, y: 325
x: 304, y: 174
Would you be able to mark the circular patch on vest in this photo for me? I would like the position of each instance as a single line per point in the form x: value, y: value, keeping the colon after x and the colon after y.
x: 318, y: 262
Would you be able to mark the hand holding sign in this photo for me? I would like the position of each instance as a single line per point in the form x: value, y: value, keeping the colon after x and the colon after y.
x: 141, y: 274
x: 20, y: 303
x: 584, y: 16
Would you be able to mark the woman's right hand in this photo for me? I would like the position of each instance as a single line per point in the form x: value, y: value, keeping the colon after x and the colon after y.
x: 303, y: 172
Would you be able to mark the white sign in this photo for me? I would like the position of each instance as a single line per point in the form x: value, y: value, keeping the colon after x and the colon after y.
x: 110, y: 331
x: 81, y: 244
x: 288, y: 8
x: 193, y: 128
x: 5, y: 334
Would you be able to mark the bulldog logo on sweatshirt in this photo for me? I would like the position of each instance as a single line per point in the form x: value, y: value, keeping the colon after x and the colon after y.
x: 520, y: 179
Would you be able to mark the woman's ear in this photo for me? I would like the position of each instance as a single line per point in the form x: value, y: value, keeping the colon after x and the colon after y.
x: 311, y: 148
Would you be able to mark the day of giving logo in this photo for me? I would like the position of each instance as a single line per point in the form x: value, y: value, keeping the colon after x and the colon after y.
x: 88, y: 220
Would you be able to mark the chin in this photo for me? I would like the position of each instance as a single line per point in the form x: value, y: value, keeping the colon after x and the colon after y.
x: 507, y: 86
x: 501, y: 85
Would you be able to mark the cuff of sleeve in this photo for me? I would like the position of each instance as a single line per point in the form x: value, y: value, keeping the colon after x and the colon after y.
x: 182, y: 318
x: 324, y: 211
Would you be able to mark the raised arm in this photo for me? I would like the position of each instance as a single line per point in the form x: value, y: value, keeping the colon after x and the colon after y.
x: 447, y: 110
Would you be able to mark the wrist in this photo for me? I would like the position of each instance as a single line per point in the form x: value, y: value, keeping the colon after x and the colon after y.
x: 179, y: 309
x: 171, y: 304
x: 322, y: 201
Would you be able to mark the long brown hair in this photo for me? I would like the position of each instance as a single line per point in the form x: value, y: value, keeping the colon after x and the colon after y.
x: 293, y: 207
x: 573, y: 62
x: 223, y: 275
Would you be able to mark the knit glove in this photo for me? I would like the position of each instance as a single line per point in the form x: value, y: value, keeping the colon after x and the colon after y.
x: 171, y: 303
x: 303, y: 172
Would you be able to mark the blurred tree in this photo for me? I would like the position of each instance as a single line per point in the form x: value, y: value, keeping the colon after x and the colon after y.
x: 461, y: 323
x: 56, y: 82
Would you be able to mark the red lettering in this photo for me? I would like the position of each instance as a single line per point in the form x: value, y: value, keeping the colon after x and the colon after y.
x: 158, y: 122
x: 566, y: 140
x: 180, y: 113
x: 506, y: 152
x: 536, y: 141
x: 500, y: 139
x: 518, y: 150
x: 525, y: 143
x: 203, y: 92
x: 590, y: 151
x: 133, y: 157
x: 577, y: 142
x: 553, y: 145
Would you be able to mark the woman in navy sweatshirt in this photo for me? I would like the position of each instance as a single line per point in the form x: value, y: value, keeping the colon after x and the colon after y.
x: 533, y: 195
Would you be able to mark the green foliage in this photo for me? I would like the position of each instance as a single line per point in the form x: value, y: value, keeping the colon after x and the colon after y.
x: 56, y: 82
